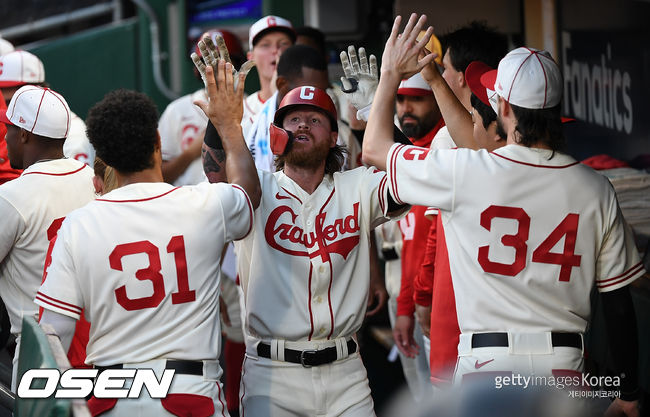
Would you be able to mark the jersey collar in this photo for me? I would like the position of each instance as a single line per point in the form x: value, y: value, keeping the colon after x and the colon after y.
x: 535, y: 156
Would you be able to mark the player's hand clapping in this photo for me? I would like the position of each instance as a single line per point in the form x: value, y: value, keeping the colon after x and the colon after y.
x: 400, y: 57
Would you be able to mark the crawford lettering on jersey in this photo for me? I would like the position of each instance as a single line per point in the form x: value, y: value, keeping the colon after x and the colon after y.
x: 79, y: 383
x: 282, y: 233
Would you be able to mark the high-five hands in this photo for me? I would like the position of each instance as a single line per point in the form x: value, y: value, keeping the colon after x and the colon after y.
x: 361, y: 78
x: 212, y: 55
x: 400, y: 56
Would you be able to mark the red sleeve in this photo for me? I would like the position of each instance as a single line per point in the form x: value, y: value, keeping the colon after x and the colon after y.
x: 423, y: 283
x: 415, y: 229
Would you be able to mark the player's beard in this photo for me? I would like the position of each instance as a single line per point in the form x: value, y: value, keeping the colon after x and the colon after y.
x: 420, y: 128
x: 500, y: 130
x: 307, y: 158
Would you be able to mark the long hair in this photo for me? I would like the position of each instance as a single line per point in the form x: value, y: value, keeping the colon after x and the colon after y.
x: 539, y: 126
x: 333, y: 163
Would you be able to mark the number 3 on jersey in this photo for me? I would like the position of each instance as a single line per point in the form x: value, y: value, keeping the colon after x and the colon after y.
x: 568, y: 228
x: 152, y: 273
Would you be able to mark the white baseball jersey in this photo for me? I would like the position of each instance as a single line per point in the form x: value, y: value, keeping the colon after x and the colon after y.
x: 180, y: 124
x: 529, y: 235
x: 252, y: 106
x: 77, y: 145
x: 32, y: 208
x: 143, y: 261
x: 304, y: 268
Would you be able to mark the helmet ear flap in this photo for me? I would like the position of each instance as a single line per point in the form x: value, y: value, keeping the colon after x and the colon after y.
x: 280, y: 140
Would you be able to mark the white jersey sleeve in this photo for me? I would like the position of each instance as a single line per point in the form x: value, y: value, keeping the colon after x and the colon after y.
x: 237, y: 210
x: 13, y: 225
x: 438, y: 165
x: 65, y: 287
x: 618, y: 263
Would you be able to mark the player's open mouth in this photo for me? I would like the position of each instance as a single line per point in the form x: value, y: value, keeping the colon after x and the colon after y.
x: 302, y: 138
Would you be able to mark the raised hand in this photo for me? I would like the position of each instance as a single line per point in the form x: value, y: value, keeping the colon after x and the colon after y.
x: 212, y: 54
x: 225, y: 106
x: 361, y: 78
x: 400, y: 56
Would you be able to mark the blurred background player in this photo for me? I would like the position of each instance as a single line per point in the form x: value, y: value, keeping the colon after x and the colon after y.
x: 33, y: 205
x: 24, y: 68
x: 177, y: 326
x: 182, y: 124
x: 6, y: 172
x: 267, y: 39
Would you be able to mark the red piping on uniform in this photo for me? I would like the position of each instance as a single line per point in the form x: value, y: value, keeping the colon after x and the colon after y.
x: 56, y: 175
x: 545, y: 78
x: 311, y: 317
x: 329, y: 301
x: 624, y: 273
x: 292, y: 195
x: 57, y: 306
x: 66, y: 112
x: 38, y: 110
x: 633, y: 272
x: 223, y: 406
x: 250, y: 208
x: 135, y: 201
x: 534, y: 165
x: 58, y: 301
x: 243, y: 390
x: 393, y: 179
x: 382, y: 185
x: 512, y: 84
x: 327, y: 201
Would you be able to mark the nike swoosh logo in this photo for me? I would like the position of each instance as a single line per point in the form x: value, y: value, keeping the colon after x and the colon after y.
x: 282, y: 197
x: 478, y: 365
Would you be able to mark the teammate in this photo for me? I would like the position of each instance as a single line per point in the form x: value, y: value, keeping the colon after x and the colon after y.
x: 522, y: 296
x: 33, y: 205
x: 182, y: 124
x: 6, y: 172
x: 22, y: 68
x: 174, y: 239
x: 267, y: 40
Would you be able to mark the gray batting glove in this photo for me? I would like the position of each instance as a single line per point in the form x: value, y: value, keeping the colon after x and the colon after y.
x: 360, y: 81
x: 211, y: 55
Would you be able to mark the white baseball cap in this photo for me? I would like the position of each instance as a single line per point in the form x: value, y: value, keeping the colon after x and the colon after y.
x: 38, y: 110
x: 414, y: 86
x: 5, y: 47
x: 527, y: 78
x: 268, y: 24
x: 19, y: 68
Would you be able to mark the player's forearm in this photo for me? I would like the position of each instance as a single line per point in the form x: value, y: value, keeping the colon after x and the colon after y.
x: 457, y: 119
x: 379, y: 132
x: 213, y: 156
x: 240, y: 167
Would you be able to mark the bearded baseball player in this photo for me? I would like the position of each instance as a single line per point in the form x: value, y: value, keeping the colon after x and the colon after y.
x: 304, y: 267
x: 531, y: 233
x: 150, y: 286
x: 33, y: 205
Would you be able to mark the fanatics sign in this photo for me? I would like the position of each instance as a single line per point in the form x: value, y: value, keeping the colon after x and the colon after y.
x: 79, y: 383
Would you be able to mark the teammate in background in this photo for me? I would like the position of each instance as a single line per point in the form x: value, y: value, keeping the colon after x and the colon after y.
x: 180, y: 313
x: 304, y: 267
x: 182, y: 124
x: 33, y: 205
x: 523, y: 302
x: 267, y: 40
x: 6, y: 172
x: 23, y: 68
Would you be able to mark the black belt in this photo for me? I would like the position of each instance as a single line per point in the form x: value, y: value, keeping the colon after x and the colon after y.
x: 306, y: 358
x: 480, y: 340
x: 180, y: 366
x: 389, y: 254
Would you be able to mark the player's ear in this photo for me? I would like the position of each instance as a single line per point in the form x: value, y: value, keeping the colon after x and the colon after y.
x: 24, y: 136
x: 333, y: 138
x: 249, y: 55
x: 461, y: 79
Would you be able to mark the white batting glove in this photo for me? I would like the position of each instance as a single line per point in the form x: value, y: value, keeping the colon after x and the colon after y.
x: 211, y: 55
x: 360, y: 81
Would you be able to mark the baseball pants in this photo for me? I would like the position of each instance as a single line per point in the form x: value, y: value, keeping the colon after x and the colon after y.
x: 282, y: 389
x: 189, y: 396
x: 523, y: 354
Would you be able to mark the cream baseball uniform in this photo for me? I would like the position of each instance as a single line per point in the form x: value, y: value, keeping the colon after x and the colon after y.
x: 528, y: 236
x: 150, y: 284
x: 252, y: 106
x: 32, y: 207
x: 180, y: 124
x: 304, y: 272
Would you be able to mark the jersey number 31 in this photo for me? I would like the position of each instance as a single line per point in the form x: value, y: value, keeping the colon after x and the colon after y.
x: 152, y: 273
x: 568, y: 228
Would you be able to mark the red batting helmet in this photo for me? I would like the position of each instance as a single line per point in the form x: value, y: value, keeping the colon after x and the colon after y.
x: 307, y: 96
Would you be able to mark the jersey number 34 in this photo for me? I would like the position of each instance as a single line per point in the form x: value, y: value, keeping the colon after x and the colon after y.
x: 152, y: 273
x: 568, y: 228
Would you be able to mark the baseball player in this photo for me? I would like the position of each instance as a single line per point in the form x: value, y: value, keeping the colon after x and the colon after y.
x: 304, y: 269
x: 182, y: 124
x: 33, y: 205
x: 532, y: 231
x: 22, y: 68
x: 172, y: 321
x: 6, y: 172
x: 267, y: 39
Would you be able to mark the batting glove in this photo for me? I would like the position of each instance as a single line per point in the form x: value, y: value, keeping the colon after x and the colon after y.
x: 360, y: 81
x: 211, y: 55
